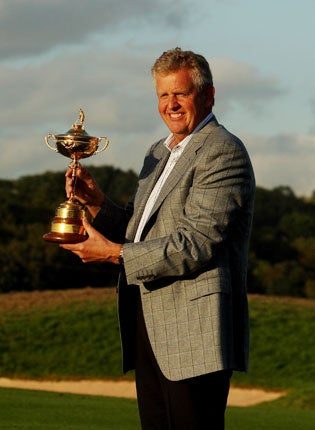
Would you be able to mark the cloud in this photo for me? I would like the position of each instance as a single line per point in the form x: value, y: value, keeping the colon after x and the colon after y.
x: 51, y: 92
x: 113, y: 85
x: 29, y: 28
x: 284, y: 159
x: 312, y: 107
x: 115, y: 90
x: 240, y: 85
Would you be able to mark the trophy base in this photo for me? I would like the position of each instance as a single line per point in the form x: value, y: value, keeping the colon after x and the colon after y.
x: 67, y: 226
x: 64, y: 237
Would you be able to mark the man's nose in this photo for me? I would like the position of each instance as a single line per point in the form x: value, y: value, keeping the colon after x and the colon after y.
x: 173, y: 102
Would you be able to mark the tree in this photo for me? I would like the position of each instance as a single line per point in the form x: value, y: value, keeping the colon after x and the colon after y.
x: 282, y: 247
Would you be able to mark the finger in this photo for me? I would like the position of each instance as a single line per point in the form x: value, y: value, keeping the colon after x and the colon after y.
x: 68, y: 186
x: 87, y: 226
x: 83, y: 173
x: 68, y: 173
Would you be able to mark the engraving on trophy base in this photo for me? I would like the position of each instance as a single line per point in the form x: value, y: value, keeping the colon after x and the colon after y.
x: 66, y: 231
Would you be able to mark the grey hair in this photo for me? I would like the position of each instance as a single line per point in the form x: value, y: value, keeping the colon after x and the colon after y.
x: 176, y: 59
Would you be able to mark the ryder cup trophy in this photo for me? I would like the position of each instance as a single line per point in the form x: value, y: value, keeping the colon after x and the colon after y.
x: 66, y: 226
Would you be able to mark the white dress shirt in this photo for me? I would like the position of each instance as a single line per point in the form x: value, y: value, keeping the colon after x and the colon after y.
x: 176, y: 152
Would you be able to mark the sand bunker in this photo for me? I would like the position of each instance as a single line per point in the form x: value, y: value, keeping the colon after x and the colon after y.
x: 126, y: 389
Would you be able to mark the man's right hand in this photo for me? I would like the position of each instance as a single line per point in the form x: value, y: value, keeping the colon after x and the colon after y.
x: 86, y: 190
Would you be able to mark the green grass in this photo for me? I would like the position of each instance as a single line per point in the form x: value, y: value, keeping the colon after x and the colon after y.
x: 282, y: 350
x: 67, y: 341
x: 269, y: 418
x: 76, y: 340
x: 33, y: 410
x: 282, y: 344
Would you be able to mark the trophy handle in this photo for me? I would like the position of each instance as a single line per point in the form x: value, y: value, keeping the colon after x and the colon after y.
x: 48, y: 144
x: 105, y: 145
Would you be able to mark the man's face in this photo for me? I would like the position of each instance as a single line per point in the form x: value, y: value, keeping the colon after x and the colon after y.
x: 180, y: 104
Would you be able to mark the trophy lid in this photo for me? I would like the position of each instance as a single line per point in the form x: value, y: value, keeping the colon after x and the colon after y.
x: 77, y: 131
x: 76, y: 142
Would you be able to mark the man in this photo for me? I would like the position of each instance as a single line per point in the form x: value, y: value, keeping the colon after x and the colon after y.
x: 183, y: 245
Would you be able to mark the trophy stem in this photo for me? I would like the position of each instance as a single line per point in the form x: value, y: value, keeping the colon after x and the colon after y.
x: 74, y: 165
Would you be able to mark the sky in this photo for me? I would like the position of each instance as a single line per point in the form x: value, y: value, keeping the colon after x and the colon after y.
x: 59, y: 56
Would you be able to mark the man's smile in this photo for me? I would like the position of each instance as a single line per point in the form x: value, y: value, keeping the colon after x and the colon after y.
x: 176, y: 115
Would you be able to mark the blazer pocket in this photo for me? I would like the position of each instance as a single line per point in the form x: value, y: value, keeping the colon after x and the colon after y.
x: 212, y: 282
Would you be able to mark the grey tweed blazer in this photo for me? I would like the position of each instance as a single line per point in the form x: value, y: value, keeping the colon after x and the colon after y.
x: 191, y: 263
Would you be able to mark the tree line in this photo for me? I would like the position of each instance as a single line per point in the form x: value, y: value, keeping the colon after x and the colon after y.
x: 282, y: 248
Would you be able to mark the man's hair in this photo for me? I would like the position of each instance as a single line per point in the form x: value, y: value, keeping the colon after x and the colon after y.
x: 176, y: 59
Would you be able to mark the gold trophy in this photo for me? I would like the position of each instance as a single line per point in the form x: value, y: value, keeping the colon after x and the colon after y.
x: 66, y: 226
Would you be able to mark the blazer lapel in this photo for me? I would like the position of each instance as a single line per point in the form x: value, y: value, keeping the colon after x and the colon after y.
x: 153, y: 167
x: 184, y: 162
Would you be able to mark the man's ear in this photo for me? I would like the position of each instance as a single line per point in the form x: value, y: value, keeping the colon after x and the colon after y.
x: 209, y: 97
x: 210, y: 93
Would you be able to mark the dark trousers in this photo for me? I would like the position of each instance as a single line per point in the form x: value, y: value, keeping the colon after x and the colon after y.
x: 190, y: 404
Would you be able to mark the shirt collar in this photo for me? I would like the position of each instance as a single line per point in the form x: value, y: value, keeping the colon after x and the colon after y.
x: 183, y: 142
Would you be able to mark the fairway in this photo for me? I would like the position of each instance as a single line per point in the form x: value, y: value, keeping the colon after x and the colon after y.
x: 267, y: 417
x: 35, y: 410
x: 73, y: 336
